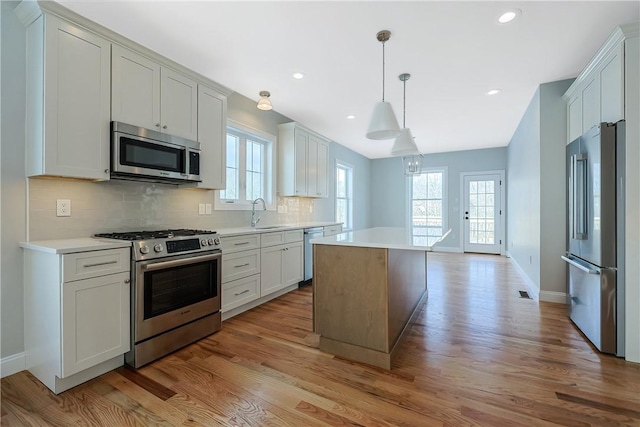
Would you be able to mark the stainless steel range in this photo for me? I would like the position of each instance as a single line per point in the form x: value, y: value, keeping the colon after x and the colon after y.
x: 175, y: 292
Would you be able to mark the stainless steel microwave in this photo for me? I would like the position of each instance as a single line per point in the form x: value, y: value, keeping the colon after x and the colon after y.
x: 146, y: 155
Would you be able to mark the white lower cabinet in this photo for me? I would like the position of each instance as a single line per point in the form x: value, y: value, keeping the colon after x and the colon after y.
x: 258, y: 267
x: 77, y: 314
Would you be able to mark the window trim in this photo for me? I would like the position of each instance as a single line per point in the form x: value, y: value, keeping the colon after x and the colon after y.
x: 270, y: 173
x: 445, y: 196
x: 351, y: 169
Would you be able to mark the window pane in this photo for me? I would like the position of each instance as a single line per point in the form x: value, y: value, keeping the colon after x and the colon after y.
x: 420, y: 186
x: 341, y: 183
x: 435, y: 185
x: 232, y: 150
x: 344, y: 205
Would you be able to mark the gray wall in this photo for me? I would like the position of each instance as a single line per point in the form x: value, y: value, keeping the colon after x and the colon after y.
x: 523, y: 189
x: 13, y: 199
x: 325, y: 209
x: 536, y: 191
x: 388, y: 187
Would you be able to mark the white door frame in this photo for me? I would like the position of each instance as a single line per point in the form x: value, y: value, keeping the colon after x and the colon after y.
x: 503, y: 211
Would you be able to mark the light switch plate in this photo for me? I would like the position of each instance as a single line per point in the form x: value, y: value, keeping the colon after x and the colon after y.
x: 282, y: 209
x: 201, y: 209
x: 208, y: 208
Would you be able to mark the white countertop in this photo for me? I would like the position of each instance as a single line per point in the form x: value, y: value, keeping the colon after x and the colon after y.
x: 380, y: 237
x: 69, y: 246
x: 267, y: 228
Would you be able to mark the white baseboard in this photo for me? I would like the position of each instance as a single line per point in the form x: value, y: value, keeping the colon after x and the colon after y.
x: 553, y: 296
x: 532, y: 288
x: 446, y: 249
x: 12, y: 364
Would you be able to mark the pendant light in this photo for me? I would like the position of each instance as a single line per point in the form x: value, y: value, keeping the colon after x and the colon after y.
x: 404, y: 145
x: 383, y: 124
x: 264, y: 103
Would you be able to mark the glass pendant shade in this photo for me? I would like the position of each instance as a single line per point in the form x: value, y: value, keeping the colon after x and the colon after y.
x: 383, y: 124
x: 412, y: 164
x: 404, y: 144
x: 264, y: 103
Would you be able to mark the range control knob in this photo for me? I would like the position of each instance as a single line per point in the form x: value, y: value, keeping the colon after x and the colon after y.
x: 158, y: 248
x: 203, y: 242
x: 210, y: 241
x: 144, y: 249
x: 216, y: 240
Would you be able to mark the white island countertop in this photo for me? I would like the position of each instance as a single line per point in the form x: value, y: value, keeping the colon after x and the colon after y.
x: 379, y: 237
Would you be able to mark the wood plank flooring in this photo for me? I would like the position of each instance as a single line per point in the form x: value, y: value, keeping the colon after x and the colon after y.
x: 478, y: 355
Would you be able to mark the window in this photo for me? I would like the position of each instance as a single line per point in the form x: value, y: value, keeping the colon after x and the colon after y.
x: 344, y: 191
x: 428, y: 196
x: 249, y: 168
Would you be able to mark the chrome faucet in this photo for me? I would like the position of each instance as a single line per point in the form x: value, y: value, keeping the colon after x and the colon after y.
x: 254, y: 220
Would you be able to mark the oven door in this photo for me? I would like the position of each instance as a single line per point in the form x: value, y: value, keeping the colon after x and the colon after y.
x: 174, y: 291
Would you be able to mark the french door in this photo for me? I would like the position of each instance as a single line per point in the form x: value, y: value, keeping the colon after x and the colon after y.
x: 482, y: 213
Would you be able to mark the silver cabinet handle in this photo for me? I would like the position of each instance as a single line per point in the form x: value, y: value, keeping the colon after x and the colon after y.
x: 241, y: 243
x: 157, y: 125
x: 579, y: 266
x: 100, y: 263
x: 164, y: 127
x: 241, y: 265
x: 240, y: 293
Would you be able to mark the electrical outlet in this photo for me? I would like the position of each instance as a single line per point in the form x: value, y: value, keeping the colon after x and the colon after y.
x: 201, y: 209
x: 63, y: 207
x: 282, y: 209
x: 208, y: 208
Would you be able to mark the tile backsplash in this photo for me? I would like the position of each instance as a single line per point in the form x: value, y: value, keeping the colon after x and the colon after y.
x: 99, y: 207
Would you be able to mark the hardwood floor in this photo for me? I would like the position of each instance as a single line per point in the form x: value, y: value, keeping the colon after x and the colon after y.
x: 478, y: 355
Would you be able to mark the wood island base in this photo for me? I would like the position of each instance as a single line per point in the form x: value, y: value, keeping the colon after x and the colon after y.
x: 365, y: 300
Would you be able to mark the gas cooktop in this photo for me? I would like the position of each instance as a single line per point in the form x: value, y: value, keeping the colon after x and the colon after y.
x: 164, y: 243
x: 157, y: 234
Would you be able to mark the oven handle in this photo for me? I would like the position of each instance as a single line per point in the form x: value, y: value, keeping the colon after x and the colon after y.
x: 180, y: 262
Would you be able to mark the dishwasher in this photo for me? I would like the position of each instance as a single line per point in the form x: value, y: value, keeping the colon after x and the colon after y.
x: 309, y: 233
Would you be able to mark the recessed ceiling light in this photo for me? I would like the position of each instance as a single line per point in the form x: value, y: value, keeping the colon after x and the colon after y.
x: 298, y: 76
x: 493, y: 92
x: 509, y: 16
x: 351, y: 117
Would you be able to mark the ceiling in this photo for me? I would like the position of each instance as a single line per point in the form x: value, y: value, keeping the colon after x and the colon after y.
x: 455, y: 52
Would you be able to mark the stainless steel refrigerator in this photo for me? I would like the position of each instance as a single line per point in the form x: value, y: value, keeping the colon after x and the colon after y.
x: 595, y: 241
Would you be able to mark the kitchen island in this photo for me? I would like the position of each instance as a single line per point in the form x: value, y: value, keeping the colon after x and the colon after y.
x: 368, y: 286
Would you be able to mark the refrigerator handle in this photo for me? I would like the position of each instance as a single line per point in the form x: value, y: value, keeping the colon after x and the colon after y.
x: 579, y: 173
x: 579, y: 266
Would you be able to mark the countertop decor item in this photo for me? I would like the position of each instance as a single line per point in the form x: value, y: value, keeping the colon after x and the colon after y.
x: 383, y: 124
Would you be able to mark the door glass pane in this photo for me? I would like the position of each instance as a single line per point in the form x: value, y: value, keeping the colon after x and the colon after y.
x: 481, y: 212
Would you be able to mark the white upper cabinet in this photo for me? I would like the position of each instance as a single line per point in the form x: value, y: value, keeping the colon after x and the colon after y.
x: 598, y: 93
x: 68, y: 100
x: 148, y: 95
x: 302, y: 162
x: 135, y: 95
x: 212, y: 119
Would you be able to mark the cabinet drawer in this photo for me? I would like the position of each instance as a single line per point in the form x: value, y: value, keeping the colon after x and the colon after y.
x: 239, y: 292
x: 272, y: 239
x: 240, y: 243
x: 240, y: 264
x: 293, y: 236
x: 332, y: 230
x: 84, y: 265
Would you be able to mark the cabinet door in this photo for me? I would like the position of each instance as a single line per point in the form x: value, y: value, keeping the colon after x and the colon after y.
x: 212, y: 119
x: 612, y: 87
x: 135, y: 90
x: 322, y: 177
x: 178, y: 104
x: 574, y: 115
x: 77, y: 79
x: 271, y: 270
x: 300, y: 146
x: 292, y: 264
x: 591, y: 105
x: 95, y: 321
x: 312, y: 167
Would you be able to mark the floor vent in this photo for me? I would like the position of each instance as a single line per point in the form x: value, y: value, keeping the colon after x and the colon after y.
x: 524, y: 294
